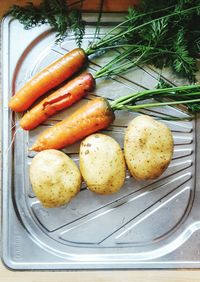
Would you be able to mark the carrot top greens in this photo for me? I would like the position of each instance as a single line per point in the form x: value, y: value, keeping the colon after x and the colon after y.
x: 57, y: 13
x: 162, y: 33
x: 188, y: 95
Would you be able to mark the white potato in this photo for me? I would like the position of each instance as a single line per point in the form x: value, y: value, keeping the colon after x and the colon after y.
x: 102, y: 164
x: 55, y: 178
x: 148, y: 147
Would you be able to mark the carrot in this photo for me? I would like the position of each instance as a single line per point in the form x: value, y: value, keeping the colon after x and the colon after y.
x: 64, y: 97
x: 47, y: 78
x: 95, y: 115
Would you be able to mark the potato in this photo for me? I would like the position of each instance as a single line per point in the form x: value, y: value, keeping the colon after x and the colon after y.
x: 55, y: 178
x: 102, y: 164
x: 148, y: 147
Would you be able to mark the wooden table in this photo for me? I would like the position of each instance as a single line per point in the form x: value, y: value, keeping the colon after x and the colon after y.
x: 91, y: 5
x: 94, y: 276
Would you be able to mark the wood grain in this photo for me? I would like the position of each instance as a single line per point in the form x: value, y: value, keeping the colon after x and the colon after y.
x: 100, y: 276
x: 94, y: 276
x: 109, y: 5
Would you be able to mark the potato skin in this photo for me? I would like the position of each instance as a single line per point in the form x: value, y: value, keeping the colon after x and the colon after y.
x: 55, y: 178
x: 102, y: 164
x: 148, y: 147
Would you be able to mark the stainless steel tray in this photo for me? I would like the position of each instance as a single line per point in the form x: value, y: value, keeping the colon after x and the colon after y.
x: 152, y: 224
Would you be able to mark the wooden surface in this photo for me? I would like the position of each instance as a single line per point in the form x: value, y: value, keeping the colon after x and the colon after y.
x: 94, y: 276
x: 109, y: 5
x: 100, y: 276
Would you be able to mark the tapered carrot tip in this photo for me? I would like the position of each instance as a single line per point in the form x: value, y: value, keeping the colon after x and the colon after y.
x: 92, y: 117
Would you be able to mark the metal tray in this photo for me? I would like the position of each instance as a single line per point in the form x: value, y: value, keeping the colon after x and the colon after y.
x: 152, y: 224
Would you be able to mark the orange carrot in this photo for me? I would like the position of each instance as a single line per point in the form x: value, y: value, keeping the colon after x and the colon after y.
x: 95, y: 115
x: 64, y: 97
x: 47, y: 78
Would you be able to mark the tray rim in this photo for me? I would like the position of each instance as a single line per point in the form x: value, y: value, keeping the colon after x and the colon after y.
x: 12, y: 266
